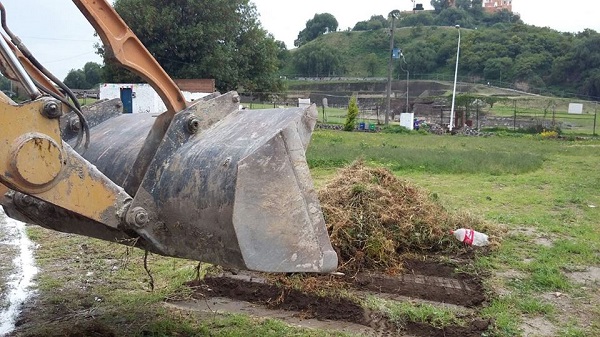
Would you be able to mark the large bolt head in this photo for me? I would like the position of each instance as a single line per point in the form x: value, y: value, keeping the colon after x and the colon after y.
x: 51, y: 110
x: 193, y: 125
x: 138, y: 217
x: 36, y: 161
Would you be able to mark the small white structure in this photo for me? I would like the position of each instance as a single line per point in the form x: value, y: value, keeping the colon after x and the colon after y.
x: 576, y: 108
x: 140, y: 97
x: 303, y: 102
x: 407, y: 120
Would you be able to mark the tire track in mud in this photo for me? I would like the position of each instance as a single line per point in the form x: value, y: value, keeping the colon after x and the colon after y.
x: 423, y: 281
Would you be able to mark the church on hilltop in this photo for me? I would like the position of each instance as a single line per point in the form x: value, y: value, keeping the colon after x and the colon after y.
x: 489, y: 6
x: 492, y: 6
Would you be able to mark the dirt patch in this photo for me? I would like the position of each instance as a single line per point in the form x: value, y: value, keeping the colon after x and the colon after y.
x: 427, y: 280
x: 386, y: 233
x: 589, y: 277
x: 537, y: 237
x: 581, y: 308
x: 92, y: 328
x: 538, y: 327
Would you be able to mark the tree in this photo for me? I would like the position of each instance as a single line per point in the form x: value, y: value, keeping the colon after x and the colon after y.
x: 317, y: 60
x: 464, y: 4
x: 76, y: 79
x: 350, y: 122
x: 93, y: 73
x: 86, y: 78
x: 374, y: 23
x: 591, y: 84
x: 377, y: 22
x: 423, y: 19
x: 372, y: 63
x: 320, y: 24
x: 361, y: 26
x: 455, y: 16
x: 440, y: 5
x: 204, y: 39
x: 498, y: 68
x: 4, y: 83
x: 420, y: 57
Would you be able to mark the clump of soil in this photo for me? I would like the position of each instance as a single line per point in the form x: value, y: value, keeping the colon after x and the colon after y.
x: 373, y: 218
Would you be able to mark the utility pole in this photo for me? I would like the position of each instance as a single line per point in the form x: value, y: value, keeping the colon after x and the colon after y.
x: 393, y: 14
x: 451, y: 124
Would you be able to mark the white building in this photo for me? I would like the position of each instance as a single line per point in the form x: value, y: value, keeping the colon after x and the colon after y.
x: 140, y: 97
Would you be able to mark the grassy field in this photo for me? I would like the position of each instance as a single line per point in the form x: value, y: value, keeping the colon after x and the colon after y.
x: 545, y: 191
x: 544, y: 278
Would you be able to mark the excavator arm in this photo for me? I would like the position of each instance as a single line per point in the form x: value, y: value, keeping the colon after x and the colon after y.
x: 203, y: 181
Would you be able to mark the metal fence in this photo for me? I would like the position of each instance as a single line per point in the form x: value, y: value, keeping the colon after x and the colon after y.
x: 527, y: 115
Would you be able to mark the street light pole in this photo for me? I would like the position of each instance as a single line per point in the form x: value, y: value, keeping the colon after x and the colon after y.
x: 451, y: 125
x: 393, y: 14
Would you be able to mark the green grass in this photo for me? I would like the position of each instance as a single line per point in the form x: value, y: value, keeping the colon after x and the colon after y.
x: 424, y: 153
x: 402, y: 312
x: 549, y: 186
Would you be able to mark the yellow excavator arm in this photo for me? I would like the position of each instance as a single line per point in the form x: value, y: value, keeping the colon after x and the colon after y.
x: 204, y: 181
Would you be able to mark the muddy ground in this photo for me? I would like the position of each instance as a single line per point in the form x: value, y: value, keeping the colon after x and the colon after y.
x: 75, y: 305
x: 338, y: 307
x: 423, y: 281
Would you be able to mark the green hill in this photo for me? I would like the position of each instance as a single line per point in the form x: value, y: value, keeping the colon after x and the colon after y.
x: 506, y: 54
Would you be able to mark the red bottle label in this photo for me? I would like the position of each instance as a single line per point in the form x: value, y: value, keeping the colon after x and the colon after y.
x: 469, y: 236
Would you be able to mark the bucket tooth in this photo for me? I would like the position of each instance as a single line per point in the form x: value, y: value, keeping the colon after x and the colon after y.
x: 277, y: 217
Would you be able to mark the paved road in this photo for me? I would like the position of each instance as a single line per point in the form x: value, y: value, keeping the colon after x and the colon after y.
x: 17, y: 270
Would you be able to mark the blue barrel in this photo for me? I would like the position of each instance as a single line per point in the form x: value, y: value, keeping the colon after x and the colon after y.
x: 361, y: 126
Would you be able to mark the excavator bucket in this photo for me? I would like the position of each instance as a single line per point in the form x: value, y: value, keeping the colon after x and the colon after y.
x: 204, y: 180
x: 226, y: 186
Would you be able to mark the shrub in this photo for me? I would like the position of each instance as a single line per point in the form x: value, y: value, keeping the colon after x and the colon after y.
x: 350, y: 122
x: 549, y: 134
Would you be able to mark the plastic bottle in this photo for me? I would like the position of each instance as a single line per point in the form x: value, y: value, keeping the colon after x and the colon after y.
x: 470, y: 237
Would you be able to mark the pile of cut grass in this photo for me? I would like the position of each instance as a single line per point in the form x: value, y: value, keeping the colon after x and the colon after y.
x: 374, y: 218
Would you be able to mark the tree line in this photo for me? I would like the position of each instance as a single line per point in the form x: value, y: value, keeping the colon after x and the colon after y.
x: 494, y: 47
x: 224, y: 40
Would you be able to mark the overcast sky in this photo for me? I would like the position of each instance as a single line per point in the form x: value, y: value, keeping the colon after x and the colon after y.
x: 60, y: 37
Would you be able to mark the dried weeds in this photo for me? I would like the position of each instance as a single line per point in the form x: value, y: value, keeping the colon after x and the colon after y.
x: 373, y: 218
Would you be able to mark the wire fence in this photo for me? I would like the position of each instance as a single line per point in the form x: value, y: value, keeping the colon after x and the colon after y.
x: 526, y: 114
x: 512, y: 85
